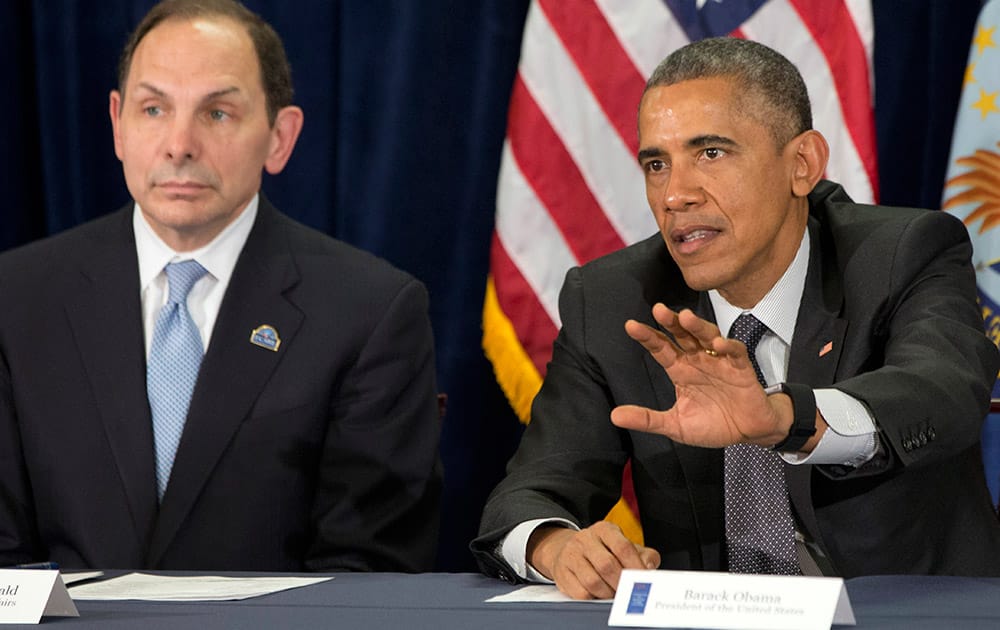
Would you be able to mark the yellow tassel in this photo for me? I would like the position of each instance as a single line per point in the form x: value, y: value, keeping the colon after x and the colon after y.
x: 515, y: 372
x: 622, y: 516
x: 520, y: 382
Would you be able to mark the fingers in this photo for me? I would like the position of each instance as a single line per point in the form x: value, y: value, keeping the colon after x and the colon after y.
x: 636, y: 418
x: 659, y: 345
x: 591, y: 561
x: 650, y: 557
x: 693, y: 334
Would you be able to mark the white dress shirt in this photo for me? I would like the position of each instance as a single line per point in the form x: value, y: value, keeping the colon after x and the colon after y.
x: 851, y: 440
x: 217, y: 257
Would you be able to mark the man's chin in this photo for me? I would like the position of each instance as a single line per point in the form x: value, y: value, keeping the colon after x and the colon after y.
x: 182, y: 197
x: 180, y: 208
x: 698, y: 278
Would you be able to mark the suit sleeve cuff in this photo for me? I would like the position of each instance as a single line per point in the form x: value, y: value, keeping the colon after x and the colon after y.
x: 852, y: 439
x: 514, y: 547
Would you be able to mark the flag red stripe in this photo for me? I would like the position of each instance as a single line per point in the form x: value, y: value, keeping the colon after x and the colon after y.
x: 556, y: 180
x: 834, y: 31
x: 519, y: 302
x: 605, y: 66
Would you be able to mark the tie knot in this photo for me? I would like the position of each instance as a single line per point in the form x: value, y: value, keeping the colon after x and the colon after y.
x: 181, y: 276
x: 749, y: 330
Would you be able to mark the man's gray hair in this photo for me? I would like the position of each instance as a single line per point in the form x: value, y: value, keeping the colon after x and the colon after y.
x: 761, y: 73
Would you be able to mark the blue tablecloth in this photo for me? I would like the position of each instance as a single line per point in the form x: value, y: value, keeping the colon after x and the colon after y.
x: 444, y: 601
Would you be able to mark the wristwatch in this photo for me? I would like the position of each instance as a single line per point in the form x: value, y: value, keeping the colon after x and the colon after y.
x: 803, y: 412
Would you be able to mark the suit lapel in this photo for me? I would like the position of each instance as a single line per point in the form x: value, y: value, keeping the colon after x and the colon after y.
x: 698, y: 302
x: 815, y: 353
x: 819, y: 330
x: 234, y: 371
x: 104, y: 312
x: 702, y: 467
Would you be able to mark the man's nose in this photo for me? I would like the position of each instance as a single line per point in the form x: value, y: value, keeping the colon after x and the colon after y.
x: 683, y: 189
x: 182, y: 141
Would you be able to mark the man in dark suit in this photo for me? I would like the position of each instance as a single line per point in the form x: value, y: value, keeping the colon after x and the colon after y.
x: 862, y: 455
x: 310, y: 440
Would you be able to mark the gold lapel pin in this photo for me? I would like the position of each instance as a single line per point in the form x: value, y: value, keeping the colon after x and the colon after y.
x: 265, y: 336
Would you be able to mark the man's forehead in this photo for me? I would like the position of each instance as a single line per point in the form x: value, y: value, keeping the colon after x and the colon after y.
x: 213, y: 50
x: 206, y: 36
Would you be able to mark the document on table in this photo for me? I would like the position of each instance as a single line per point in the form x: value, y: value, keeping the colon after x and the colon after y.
x: 184, y: 588
x: 79, y: 576
x: 540, y: 593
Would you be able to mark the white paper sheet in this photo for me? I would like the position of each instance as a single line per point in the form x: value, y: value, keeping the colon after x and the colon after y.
x: 173, y: 588
x: 541, y: 593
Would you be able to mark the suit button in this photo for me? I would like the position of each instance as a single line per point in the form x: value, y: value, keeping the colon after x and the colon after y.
x: 923, y: 439
x: 907, y: 445
x: 931, y: 434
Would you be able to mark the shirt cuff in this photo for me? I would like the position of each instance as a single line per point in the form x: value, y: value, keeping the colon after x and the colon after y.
x: 514, y: 547
x: 852, y: 439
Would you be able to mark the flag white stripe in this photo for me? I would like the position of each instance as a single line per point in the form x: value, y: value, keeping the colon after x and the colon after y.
x: 530, y: 237
x: 779, y: 26
x: 604, y: 160
x: 864, y: 21
x: 646, y: 35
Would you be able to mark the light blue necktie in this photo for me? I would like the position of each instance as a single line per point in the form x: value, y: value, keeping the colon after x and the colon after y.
x: 174, y: 358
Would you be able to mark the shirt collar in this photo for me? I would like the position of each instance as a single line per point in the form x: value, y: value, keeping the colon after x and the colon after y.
x: 218, y: 257
x: 779, y: 309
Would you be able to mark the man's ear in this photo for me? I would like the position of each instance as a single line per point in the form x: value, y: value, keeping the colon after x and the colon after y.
x: 810, y: 154
x: 115, y: 111
x: 284, y: 133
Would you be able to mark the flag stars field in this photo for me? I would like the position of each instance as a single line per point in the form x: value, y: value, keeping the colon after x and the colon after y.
x: 984, y: 38
x: 987, y: 103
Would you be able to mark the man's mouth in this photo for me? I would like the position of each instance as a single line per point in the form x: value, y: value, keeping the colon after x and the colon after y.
x: 695, y: 235
x: 690, y: 241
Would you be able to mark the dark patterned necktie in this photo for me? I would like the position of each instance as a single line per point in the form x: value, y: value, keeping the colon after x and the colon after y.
x: 760, y: 534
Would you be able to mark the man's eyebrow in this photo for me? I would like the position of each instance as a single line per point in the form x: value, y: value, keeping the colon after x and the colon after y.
x: 652, y: 152
x: 208, y: 97
x: 151, y: 88
x: 710, y: 140
x: 220, y: 93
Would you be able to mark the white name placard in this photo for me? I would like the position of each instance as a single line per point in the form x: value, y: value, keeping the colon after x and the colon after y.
x: 27, y: 594
x: 703, y: 599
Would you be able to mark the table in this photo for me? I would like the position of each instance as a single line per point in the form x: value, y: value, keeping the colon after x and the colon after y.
x: 456, y: 601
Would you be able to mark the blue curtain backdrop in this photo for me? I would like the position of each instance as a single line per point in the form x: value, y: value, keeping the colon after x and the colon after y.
x: 405, y: 106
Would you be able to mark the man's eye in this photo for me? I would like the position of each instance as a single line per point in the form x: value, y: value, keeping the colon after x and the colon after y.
x: 152, y: 110
x: 655, y: 166
x: 713, y: 153
x: 218, y: 114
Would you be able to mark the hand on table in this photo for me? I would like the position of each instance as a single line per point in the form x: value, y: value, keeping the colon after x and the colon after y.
x: 586, y: 564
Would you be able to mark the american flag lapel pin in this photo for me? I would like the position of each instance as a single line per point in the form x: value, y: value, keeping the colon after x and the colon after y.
x: 826, y: 348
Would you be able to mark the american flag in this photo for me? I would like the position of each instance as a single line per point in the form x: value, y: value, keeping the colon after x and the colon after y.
x: 570, y: 188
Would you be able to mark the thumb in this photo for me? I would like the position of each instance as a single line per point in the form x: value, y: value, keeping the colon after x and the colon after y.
x: 632, y: 417
x: 650, y: 557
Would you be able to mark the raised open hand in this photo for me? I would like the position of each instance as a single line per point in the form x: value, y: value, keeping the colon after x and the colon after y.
x: 719, y: 400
